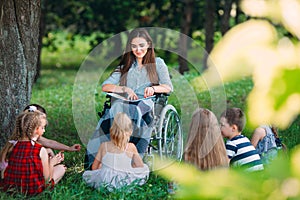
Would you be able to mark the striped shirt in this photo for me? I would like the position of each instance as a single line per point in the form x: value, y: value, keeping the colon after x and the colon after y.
x: 243, y: 154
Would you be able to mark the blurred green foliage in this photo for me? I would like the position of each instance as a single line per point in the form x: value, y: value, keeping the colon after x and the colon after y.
x: 63, y: 49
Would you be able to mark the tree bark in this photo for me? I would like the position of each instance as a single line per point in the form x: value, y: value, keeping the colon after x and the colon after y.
x: 238, y: 12
x: 185, y: 30
x: 209, y: 29
x: 42, y: 28
x: 226, y: 16
x: 19, y: 40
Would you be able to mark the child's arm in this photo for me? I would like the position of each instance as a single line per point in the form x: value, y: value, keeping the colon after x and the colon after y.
x: 98, y: 159
x: 136, y: 158
x: 57, y: 145
x: 231, y: 150
x: 259, y: 134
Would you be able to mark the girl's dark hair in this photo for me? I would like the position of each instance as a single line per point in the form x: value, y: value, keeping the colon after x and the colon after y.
x: 128, y: 57
x: 278, y: 141
x: 37, y: 107
x: 235, y: 116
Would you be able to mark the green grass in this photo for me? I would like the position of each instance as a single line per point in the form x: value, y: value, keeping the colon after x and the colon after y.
x: 54, y: 91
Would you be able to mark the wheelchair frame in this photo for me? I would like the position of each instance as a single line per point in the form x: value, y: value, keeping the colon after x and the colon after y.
x: 167, y: 138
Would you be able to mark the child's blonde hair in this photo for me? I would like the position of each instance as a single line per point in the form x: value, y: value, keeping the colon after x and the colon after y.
x: 205, y: 147
x: 26, y: 123
x: 121, y: 130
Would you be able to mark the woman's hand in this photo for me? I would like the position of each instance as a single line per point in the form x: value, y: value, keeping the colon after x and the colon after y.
x: 149, y: 91
x: 130, y: 93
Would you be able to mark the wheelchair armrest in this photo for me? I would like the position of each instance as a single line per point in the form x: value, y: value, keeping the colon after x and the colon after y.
x: 162, y: 94
x: 161, y: 98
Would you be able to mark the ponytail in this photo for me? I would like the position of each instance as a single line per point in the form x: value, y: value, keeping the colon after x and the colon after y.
x: 278, y: 141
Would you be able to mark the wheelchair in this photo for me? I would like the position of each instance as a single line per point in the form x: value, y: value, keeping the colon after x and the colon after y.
x: 167, y: 138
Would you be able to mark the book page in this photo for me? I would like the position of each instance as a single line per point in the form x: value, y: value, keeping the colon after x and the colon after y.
x: 124, y: 99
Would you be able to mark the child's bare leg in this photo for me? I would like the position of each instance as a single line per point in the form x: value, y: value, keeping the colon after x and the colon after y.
x: 50, y: 152
x: 58, y: 172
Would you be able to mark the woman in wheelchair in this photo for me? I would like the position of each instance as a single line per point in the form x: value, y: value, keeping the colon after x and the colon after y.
x: 138, y: 77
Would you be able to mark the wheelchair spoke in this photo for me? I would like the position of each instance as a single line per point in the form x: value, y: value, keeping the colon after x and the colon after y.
x: 167, y: 135
x: 173, y: 140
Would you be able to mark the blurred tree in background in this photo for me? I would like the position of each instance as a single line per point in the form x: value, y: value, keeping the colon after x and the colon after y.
x: 194, y: 18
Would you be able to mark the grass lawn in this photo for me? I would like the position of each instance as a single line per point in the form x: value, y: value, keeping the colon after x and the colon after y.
x: 54, y: 91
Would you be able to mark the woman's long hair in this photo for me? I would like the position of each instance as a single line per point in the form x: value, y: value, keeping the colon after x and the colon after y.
x: 205, y: 147
x: 121, y: 130
x: 128, y: 57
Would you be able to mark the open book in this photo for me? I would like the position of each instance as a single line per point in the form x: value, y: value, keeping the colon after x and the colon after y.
x: 117, y: 96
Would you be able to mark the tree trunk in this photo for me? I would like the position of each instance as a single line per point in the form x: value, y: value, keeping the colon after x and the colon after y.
x: 209, y: 28
x: 226, y: 16
x: 238, y: 12
x: 185, y: 30
x: 19, y: 35
x: 42, y: 28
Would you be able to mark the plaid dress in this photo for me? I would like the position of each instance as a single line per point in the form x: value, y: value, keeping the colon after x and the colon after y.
x: 25, y: 171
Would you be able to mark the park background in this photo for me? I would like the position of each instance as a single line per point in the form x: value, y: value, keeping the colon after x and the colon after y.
x: 70, y: 30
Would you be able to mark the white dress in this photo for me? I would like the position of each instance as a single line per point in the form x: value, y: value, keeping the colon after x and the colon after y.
x: 116, y: 171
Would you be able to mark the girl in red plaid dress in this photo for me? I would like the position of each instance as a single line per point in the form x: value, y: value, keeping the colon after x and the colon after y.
x: 30, y: 170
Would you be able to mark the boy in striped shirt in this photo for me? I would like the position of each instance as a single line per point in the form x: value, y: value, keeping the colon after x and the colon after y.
x: 240, y: 151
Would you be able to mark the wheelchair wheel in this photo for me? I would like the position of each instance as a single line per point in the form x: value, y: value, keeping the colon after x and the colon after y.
x: 171, y: 143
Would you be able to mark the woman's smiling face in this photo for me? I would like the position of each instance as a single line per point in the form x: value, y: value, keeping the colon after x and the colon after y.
x: 139, y: 47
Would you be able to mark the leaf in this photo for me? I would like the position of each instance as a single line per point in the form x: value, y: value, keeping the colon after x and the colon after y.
x: 232, y: 57
x: 257, y: 8
x: 214, y: 184
x: 286, y: 12
x: 275, y: 98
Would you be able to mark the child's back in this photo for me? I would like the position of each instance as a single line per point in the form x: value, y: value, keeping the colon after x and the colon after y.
x: 117, y: 162
x: 116, y: 168
x: 25, y: 170
x: 243, y: 154
x: 205, y: 146
x: 29, y: 168
x: 266, y: 142
x: 239, y: 149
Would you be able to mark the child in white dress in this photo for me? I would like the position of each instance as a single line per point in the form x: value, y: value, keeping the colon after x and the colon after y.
x: 117, y: 162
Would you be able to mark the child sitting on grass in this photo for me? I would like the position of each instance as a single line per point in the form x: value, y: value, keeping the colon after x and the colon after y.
x: 267, y: 143
x: 239, y: 149
x: 30, y: 170
x: 47, y: 143
x: 205, y: 147
x: 117, y: 162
